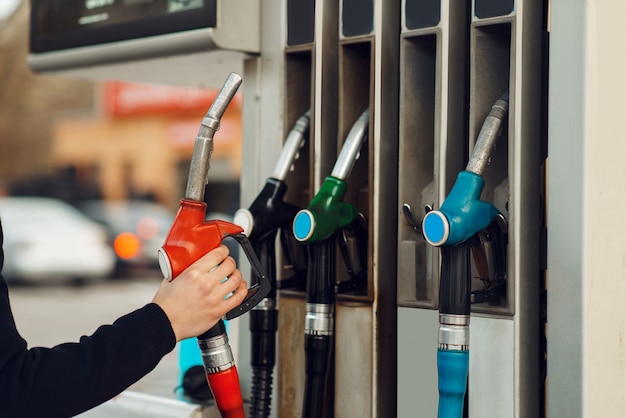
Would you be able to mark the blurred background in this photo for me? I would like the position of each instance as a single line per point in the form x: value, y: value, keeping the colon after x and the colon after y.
x: 91, y: 174
x: 116, y: 152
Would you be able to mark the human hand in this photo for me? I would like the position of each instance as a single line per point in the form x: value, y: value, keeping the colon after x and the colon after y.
x: 195, y: 300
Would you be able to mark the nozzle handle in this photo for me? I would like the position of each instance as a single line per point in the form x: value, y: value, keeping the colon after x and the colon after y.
x: 454, y: 284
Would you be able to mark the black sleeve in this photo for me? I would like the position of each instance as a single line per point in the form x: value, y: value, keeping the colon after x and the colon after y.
x: 70, y: 378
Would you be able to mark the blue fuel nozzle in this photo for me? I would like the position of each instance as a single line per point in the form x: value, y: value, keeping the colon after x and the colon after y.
x: 462, y: 214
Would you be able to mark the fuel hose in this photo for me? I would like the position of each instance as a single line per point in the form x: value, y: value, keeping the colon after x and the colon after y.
x: 453, y: 227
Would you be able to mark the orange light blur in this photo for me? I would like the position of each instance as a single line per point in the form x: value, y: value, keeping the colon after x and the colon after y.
x: 126, y: 245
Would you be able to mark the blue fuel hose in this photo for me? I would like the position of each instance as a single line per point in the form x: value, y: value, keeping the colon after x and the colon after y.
x: 453, y: 367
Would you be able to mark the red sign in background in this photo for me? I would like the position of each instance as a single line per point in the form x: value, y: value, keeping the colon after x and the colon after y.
x: 182, y: 105
x: 125, y: 99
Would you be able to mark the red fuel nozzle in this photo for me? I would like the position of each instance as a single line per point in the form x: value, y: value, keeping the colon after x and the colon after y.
x: 190, y: 237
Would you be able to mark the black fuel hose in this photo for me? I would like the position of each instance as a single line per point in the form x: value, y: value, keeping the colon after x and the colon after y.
x: 319, y: 325
x: 263, y: 327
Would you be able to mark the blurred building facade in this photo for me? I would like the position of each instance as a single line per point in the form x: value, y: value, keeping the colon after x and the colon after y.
x: 140, y: 141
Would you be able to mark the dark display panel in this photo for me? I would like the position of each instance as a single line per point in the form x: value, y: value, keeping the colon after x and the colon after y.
x: 422, y: 13
x: 357, y: 17
x: 493, y: 8
x: 300, y: 22
x: 62, y: 24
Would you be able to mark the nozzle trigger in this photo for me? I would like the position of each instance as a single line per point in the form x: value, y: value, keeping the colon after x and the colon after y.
x: 259, y: 290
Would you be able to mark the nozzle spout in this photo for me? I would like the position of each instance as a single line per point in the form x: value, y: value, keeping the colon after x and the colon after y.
x: 224, y: 97
x: 351, y: 147
x: 291, y: 150
x: 488, y: 135
x: 203, y: 146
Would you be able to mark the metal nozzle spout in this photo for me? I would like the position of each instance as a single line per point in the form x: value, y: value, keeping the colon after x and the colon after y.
x: 488, y: 135
x: 203, y: 146
x: 294, y: 142
x: 351, y: 147
x: 224, y: 97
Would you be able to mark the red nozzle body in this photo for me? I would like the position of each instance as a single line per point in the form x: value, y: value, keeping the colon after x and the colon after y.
x: 190, y: 237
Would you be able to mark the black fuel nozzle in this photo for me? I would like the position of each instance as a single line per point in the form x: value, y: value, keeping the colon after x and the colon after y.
x: 268, y: 215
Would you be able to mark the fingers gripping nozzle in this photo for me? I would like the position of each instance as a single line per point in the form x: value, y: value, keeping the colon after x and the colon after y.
x: 191, y: 237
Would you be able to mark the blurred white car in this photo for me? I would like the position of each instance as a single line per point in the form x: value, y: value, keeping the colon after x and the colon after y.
x: 136, y: 229
x: 47, y: 238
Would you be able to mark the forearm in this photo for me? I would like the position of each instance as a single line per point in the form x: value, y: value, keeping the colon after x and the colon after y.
x: 73, y: 377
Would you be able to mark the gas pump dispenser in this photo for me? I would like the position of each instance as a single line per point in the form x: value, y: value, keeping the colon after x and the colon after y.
x: 268, y: 215
x: 191, y: 236
x: 454, y: 228
x: 322, y: 226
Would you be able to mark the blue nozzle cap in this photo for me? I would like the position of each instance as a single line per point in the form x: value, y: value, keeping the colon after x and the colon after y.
x: 436, y: 228
x: 303, y: 225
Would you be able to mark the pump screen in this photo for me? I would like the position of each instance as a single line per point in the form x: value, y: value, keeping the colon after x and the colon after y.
x: 63, y: 24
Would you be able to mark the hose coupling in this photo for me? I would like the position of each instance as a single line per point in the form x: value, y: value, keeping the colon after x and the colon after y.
x: 217, y: 355
x: 319, y: 319
x: 266, y: 304
x: 454, y: 332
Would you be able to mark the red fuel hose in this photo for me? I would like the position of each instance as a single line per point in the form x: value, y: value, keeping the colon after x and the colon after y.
x: 225, y: 387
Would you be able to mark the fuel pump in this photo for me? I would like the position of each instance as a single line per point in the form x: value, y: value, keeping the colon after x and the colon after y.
x: 322, y: 226
x: 191, y: 236
x: 455, y: 228
x: 267, y: 215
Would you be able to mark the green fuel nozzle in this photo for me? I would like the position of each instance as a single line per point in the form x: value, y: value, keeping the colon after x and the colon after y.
x: 327, y: 211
